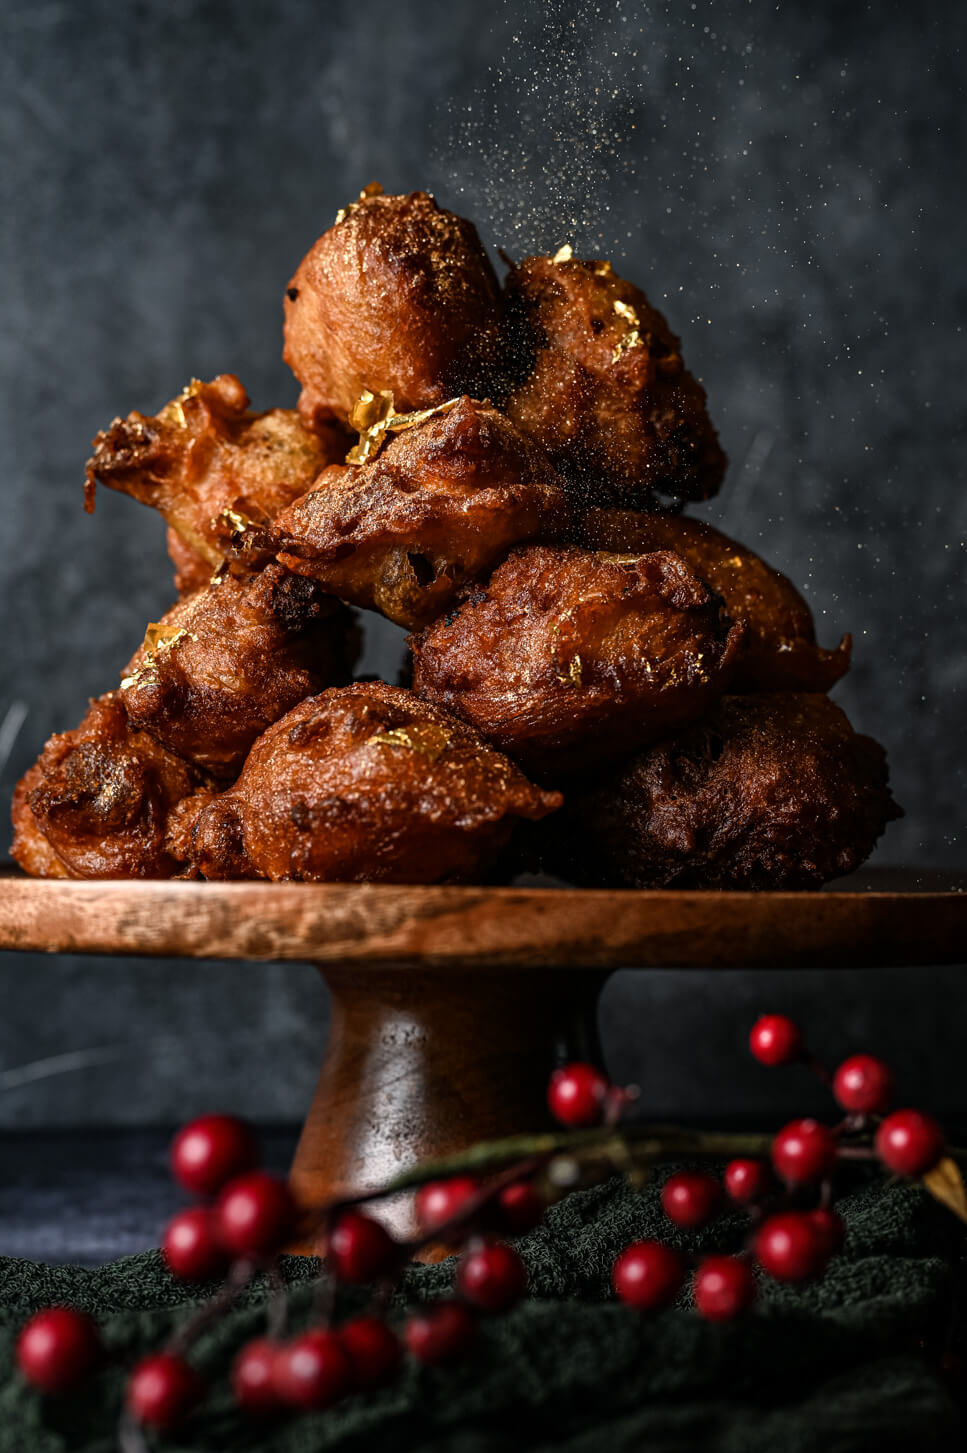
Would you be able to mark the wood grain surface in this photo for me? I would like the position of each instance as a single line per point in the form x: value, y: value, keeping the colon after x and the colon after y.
x: 887, y: 919
x: 421, y: 1065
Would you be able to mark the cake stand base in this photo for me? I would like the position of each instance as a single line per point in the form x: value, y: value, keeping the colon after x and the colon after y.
x: 452, y: 1004
x: 420, y: 1065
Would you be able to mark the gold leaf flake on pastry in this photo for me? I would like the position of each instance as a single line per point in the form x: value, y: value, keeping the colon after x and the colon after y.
x: 373, y: 435
x: 158, y: 641
x: 396, y: 423
x: 236, y: 521
x: 175, y: 410
x: 372, y: 189
x: 158, y: 638
x: 573, y: 675
x: 427, y: 738
x: 371, y: 409
x: 563, y: 254
x: 632, y: 338
x: 368, y: 417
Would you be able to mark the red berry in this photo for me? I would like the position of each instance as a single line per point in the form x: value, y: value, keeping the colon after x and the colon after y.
x: 747, y: 1180
x: 439, y: 1201
x: 647, y: 1275
x: 775, y: 1040
x: 442, y: 1332
x: 492, y: 1277
x: 256, y: 1213
x: 312, y: 1371
x: 863, y: 1085
x: 804, y: 1151
x: 163, y: 1389
x: 578, y: 1094
x: 58, y: 1349
x: 790, y: 1246
x: 360, y: 1249
x: 830, y: 1228
x: 191, y: 1246
x: 724, y: 1287
x: 519, y: 1207
x: 374, y: 1351
x: 211, y: 1151
x: 253, y: 1377
x: 909, y: 1142
x: 690, y: 1198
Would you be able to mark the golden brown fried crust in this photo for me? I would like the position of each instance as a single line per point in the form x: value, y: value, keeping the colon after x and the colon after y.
x: 397, y: 297
x: 30, y: 848
x: 781, y: 652
x: 100, y: 797
x: 232, y: 658
x: 605, y: 389
x: 209, y: 466
x: 771, y: 791
x: 568, y: 658
x: 192, y: 571
x: 363, y: 783
x: 229, y: 852
x: 438, y: 507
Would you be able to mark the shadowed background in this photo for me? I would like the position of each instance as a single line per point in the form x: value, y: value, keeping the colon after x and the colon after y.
x: 785, y: 181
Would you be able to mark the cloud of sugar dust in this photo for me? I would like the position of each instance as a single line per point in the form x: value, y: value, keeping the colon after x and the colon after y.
x: 544, y: 136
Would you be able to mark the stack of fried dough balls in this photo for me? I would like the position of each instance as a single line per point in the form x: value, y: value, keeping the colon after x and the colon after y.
x: 633, y: 697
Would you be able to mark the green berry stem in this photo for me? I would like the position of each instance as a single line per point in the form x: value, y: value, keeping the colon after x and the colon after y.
x: 474, y: 1204
x: 630, y: 1148
x: 647, y: 1141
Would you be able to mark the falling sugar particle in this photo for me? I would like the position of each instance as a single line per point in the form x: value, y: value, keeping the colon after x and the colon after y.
x: 542, y: 150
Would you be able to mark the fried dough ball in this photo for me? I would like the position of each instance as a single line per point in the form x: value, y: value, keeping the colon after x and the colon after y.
x: 781, y: 653
x: 362, y: 783
x: 30, y: 848
x: 210, y: 466
x: 100, y: 796
x: 398, y: 297
x: 192, y: 571
x: 568, y: 658
x: 607, y: 393
x: 769, y: 791
x: 229, y: 660
x: 440, y: 506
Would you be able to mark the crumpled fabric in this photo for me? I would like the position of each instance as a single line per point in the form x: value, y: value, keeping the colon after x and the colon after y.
x: 835, y: 1366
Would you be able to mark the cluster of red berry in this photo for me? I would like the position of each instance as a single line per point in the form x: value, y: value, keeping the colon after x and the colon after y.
x: 246, y: 1217
x: 791, y: 1244
x: 246, y: 1220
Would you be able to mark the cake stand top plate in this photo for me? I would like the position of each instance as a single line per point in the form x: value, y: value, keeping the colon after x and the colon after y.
x: 880, y: 918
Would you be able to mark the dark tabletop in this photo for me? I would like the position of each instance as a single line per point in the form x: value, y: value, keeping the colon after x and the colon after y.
x: 89, y: 1196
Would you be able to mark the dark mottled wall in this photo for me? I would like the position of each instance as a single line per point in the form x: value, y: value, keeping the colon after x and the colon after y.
x: 786, y: 180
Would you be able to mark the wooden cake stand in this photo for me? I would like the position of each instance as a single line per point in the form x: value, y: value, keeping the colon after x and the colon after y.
x: 450, y: 1005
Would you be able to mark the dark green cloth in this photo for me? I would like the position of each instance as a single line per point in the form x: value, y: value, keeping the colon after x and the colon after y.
x: 832, y: 1367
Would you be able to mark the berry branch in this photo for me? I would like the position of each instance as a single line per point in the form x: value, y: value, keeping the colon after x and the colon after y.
x: 467, y: 1202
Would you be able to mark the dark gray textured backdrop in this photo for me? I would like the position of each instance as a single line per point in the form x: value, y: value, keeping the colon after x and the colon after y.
x: 785, y: 179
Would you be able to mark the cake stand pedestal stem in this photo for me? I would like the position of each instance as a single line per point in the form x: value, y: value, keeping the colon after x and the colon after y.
x: 423, y: 1063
